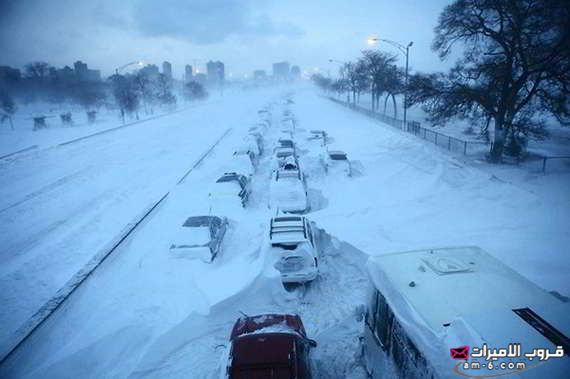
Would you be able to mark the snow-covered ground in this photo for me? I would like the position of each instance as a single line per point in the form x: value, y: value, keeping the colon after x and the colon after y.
x: 60, y: 205
x: 146, y: 313
x: 554, y: 144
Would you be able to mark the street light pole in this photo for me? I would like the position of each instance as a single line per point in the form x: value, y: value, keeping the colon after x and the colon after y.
x: 406, y: 51
x: 406, y: 87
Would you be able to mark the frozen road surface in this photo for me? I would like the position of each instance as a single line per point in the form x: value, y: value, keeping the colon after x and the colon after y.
x: 147, y: 313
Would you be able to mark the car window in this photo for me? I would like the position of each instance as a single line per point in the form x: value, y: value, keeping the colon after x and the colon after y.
x: 384, y: 318
x: 310, y: 232
x: 303, y: 359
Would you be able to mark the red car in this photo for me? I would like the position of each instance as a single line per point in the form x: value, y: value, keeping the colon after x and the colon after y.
x: 269, y: 346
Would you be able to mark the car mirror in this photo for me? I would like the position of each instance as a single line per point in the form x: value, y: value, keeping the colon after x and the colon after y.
x: 311, y: 342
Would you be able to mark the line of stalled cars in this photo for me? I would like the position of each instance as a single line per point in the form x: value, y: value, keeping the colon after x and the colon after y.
x: 201, y: 237
x: 276, y: 345
x: 422, y: 307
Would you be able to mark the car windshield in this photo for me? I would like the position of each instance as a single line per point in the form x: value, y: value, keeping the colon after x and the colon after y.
x: 227, y: 178
x: 284, y: 153
x: 337, y: 156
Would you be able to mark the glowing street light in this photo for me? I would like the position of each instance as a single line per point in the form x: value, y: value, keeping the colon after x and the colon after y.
x: 121, y: 68
x: 404, y: 50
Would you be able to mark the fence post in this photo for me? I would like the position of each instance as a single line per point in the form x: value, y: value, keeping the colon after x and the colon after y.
x: 449, y: 143
x: 544, y: 165
x: 464, y: 147
x: 436, y: 134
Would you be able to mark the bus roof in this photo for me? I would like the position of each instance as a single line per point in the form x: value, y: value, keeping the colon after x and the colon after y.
x: 465, y: 296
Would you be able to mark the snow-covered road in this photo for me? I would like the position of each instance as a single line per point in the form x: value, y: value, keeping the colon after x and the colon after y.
x: 59, y: 206
x: 145, y: 313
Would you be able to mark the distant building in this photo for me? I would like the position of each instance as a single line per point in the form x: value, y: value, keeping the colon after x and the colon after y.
x: 216, y: 72
x: 259, y: 75
x: 201, y: 78
x: 295, y: 72
x: 66, y: 74
x: 151, y: 70
x: 167, y: 69
x: 188, y: 73
x: 281, y: 70
x: 84, y: 74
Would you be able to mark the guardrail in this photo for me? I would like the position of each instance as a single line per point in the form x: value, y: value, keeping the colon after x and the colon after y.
x: 415, y: 128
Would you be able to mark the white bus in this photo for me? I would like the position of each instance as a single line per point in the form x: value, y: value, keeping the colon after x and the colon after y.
x: 459, y: 312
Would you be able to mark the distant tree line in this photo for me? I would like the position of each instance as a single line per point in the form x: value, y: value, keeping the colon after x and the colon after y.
x: 142, y: 90
x: 375, y: 73
x: 514, y: 73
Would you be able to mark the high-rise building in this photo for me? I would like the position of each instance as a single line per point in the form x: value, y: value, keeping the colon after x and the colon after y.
x: 167, y: 69
x: 151, y: 70
x: 188, y: 73
x: 84, y: 74
x: 295, y: 72
x: 281, y: 70
x: 259, y: 75
x: 216, y: 72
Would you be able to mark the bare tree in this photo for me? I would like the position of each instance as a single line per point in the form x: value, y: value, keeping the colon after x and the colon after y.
x: 356, y: 78
x: 515, y: 70
x: 37, y: 70
x: 7, y: 108
x: 194, y: 91
x: 385, y: 77
x: 144, y: 85
x: 163, y: 88
x: 125, y: 93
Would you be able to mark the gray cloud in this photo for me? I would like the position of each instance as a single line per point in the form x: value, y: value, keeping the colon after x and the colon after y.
x: 206, y: 21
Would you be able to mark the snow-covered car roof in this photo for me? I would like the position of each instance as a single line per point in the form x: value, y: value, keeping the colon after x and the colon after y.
x: 193, y: 236
x: 197, y: 231
x: 252, y: 324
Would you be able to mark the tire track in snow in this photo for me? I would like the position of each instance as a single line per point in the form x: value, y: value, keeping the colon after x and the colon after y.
x: 46, y: 189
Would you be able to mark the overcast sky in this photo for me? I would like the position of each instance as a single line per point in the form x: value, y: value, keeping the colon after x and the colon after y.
x: 244, y: 34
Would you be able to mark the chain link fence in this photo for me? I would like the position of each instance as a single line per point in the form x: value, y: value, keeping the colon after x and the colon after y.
x: 413, y: 127
x: 537, y: 162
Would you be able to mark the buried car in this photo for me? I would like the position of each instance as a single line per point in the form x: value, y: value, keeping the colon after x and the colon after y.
x: 288, y: 191
x: 269, y: 346
x: 244, y: 161
x: 293, y: 245
x: 200, y: 238
x: 231, y: 186
x: 336, y: 162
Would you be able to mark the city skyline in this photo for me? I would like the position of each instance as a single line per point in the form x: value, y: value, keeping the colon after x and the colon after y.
x: 246, y: 36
